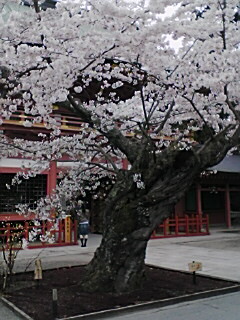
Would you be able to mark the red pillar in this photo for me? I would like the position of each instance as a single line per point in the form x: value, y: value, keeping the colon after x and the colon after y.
x: 51, y: 186
x: 52, y: 177
x: 176, y: 225
x: 227, y: 207
x: 26, y: 228
x: 199, y: 200
x: 165, y: 226
x: 187, y: 224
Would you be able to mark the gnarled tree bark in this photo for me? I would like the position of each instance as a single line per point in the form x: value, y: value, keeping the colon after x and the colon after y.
x: 131, y: 213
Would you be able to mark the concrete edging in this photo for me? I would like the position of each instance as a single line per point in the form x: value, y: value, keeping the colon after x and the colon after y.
x: 15, y: 309
x: 154, y: 304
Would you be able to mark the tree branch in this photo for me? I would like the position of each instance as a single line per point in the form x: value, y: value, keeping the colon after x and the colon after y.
x: 118, y: 140
x: 199, y: 114
x: 223, y: 33
x: 231, y: 105
x: 102, y: 167
x: 107, y: 157
x: 84, y: 114
x: 169, y: 76
x: 144, y: 108
x: 165, y: 118
x: 217, y: 147
x: 115, y: 137
x: 36, y: 6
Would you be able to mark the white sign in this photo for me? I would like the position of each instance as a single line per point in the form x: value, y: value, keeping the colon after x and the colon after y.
x: 195, y: 266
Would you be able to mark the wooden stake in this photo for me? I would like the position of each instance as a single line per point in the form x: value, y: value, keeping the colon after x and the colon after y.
x: 54, y: 303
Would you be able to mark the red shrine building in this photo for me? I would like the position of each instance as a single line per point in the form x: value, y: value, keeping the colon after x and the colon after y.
x: 32, y: 189
x: 214, y: 198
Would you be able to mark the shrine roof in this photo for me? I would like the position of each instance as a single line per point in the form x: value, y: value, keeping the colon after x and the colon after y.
x: 228, y: 164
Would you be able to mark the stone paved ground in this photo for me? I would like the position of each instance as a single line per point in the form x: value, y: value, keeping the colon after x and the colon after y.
x: 219, y: 253
x: 7, y: 314
x: 225, y: 307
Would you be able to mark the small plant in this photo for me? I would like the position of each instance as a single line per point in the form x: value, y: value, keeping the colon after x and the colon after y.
x: 10, y: 246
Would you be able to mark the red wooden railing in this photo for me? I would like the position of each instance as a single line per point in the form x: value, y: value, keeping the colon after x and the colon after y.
x: 58, y: 236
x: 194, y: 225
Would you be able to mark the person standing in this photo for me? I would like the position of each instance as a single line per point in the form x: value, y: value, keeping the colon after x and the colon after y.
x: 83, y: 227
x: 83, y: 231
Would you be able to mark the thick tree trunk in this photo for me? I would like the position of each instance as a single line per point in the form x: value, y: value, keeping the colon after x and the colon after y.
x: 118, y: 264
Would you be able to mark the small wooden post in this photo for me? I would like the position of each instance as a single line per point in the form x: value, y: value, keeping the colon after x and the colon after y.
x: 54, y: 303
x: 193, y: 267
x: 38, y: 271
x: 194, y: 277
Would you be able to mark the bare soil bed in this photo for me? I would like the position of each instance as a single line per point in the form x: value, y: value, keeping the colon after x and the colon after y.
x: 36, y: 300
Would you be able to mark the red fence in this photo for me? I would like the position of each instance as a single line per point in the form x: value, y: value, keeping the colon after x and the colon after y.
x: 194, y: 225
x: 45, y: 234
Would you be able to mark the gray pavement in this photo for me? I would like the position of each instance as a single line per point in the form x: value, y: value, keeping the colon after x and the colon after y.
x: 218, y: 252
x: 225, y: 307
x: 7, y: 314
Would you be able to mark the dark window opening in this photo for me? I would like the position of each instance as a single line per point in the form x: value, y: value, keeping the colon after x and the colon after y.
x: 235, y: 200
x: 212, y: 201
x: 27, y: 192
x: 191, y: 200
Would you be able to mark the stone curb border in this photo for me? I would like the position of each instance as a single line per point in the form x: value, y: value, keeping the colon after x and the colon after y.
x: 154, y: 304
x: 15, y: 309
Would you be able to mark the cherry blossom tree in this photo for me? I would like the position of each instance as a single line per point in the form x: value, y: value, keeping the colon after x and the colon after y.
x: 170, y: 112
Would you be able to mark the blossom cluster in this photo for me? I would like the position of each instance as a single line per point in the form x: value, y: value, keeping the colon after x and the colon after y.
x: 113, y: 65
